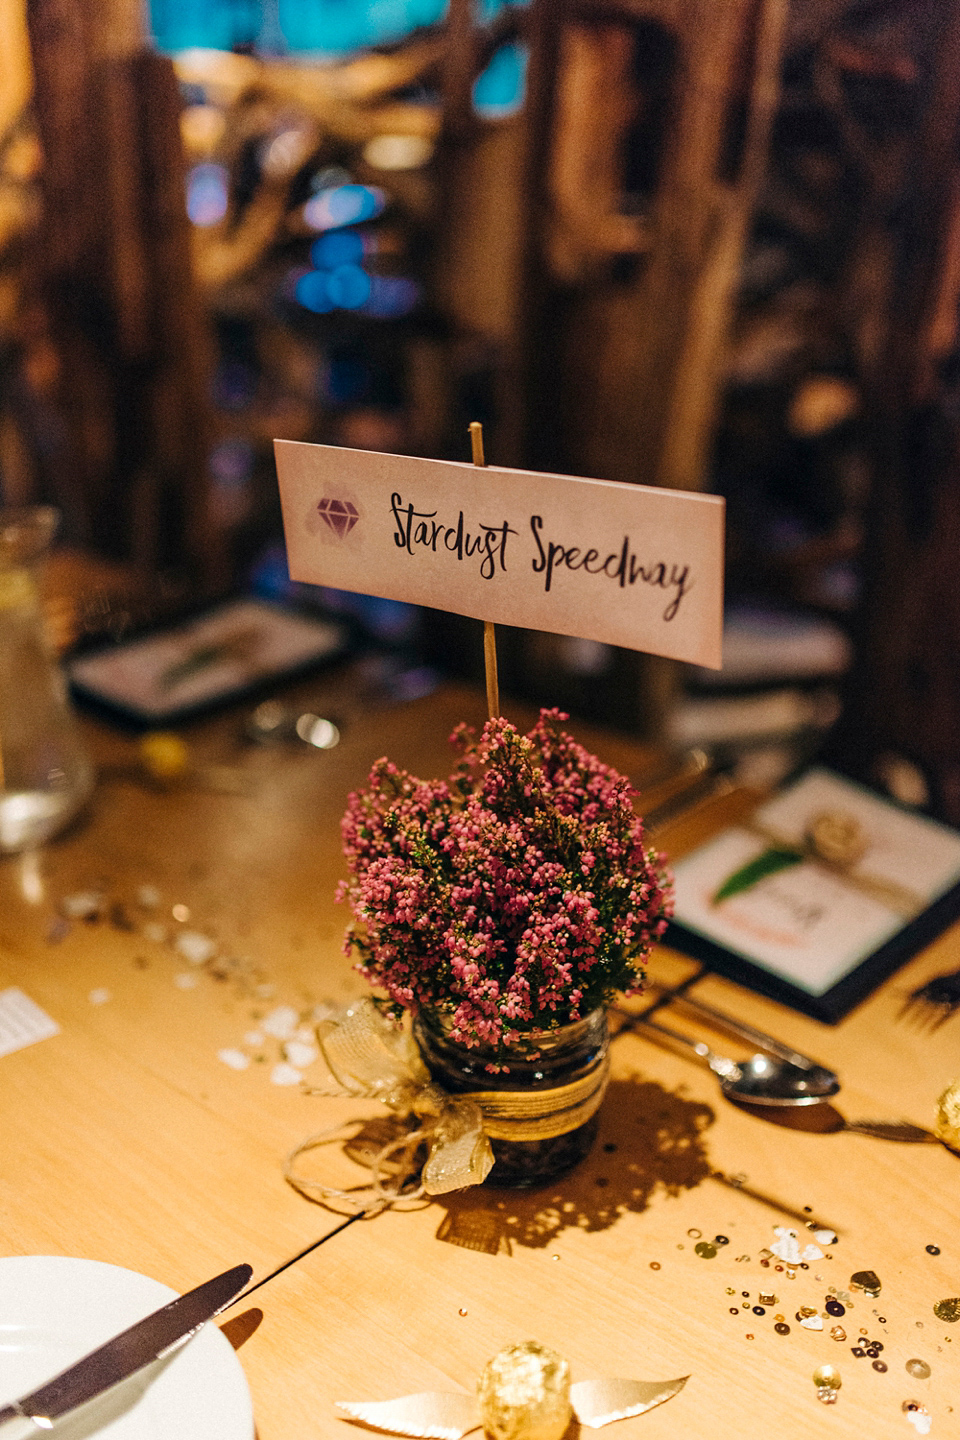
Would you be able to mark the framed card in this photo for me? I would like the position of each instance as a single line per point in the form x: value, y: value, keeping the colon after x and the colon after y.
x: 205, y: 661
x: 819, y: 896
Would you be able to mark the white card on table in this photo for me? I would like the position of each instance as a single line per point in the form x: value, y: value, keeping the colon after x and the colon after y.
x: 22, y: 1022
x: 811, y: 924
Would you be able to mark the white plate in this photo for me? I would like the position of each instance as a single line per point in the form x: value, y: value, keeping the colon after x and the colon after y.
x: 53, y: 1310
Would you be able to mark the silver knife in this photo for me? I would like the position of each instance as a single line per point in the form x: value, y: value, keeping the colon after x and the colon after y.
x: 149, y: 1339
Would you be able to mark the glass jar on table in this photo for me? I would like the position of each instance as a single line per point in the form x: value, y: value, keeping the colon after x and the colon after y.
x: 45, y: 773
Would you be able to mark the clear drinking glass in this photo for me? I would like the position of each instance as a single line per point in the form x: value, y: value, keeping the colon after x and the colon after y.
x: 45, y: 774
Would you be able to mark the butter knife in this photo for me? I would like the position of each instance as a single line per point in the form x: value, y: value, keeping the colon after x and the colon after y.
x: 149, y: 1339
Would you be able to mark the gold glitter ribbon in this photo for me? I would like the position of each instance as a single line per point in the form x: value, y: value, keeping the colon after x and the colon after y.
x: 434, y: 1415
x: 369, y: 1056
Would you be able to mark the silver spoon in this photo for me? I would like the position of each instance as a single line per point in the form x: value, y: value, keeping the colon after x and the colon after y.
x: 761, y: 1080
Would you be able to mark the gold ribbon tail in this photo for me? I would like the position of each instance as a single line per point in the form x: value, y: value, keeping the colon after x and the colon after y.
x: 431, y: 1415
x: 599, y: 1402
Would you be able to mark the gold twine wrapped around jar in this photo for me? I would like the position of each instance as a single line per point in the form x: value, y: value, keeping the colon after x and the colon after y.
x: 371, y: 1057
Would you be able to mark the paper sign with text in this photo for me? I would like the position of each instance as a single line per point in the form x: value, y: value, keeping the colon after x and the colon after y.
x: 625, y: 564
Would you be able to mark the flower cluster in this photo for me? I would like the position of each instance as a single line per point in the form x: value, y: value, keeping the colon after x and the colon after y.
x: 518, y: 895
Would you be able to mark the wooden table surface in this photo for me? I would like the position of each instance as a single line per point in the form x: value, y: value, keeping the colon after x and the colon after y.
x: 126, y: 1138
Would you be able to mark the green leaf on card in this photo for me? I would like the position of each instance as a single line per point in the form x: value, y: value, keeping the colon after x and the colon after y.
x: 769, y: 862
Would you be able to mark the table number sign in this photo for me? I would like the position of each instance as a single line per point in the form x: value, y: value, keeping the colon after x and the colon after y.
x: 628, y: 565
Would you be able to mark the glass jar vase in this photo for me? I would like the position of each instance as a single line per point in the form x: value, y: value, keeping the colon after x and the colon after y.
x: 45, y: 775
x: 540, y: 1108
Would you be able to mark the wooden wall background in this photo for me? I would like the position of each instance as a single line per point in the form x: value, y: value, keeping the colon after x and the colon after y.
x: 602, y: 338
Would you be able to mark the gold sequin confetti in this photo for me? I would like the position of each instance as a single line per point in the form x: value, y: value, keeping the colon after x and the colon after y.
x: 948, y: 1310
x: 461, y: 1311
x: 655, y: 1265
x: 767, y: 1298
x: 919, y: 1369
x: 868, y: 1281
x: 705, y: 1250
x: 827, y: 1379
x: 730, y: 1290
x: 838, y: 1333
x: 695, y: 1234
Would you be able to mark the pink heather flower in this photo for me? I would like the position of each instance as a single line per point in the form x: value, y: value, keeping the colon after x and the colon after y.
x: 517, y: 895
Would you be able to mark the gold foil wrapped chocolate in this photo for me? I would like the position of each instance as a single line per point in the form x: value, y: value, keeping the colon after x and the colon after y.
x: 947, y: 1125
x: 524, y: 1393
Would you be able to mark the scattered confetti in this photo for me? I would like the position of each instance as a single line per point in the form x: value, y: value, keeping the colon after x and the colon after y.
x: 948, y: 1310
x: 284, y: 1074
x: 918, y: 1416
x: 811, y: 1322
x: 827, y: 1379
x: 781, y: 1328
x: 838, y: 1333
x: 933, y: 1249
x: 300, y: 1054
x: 919, y: 1369
x: 705, y: 1250
x: 767, y: 1297
x: 234, y: 1058
x: 84, y: 905
x: 694, y: 1234
x: 461, y: 1311
x: 281, y: 1022
x: 825, y: 1237
x: 195, y: 947
x: 186, y: 980
x: 833, y: 1307
x: 787, y: 1247
x: 878, y: 1365
x: 654, y: 1264
x: 180, y: 913
x: 120, y: 917
x: 100, y: 996
x: 721, y: 1240
x: 868, y: 1281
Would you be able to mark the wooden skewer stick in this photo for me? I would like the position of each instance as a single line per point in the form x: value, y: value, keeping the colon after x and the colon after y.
x: 489, y: 632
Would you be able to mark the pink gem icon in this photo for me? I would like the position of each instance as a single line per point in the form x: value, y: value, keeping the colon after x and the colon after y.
x: 340, y: 515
